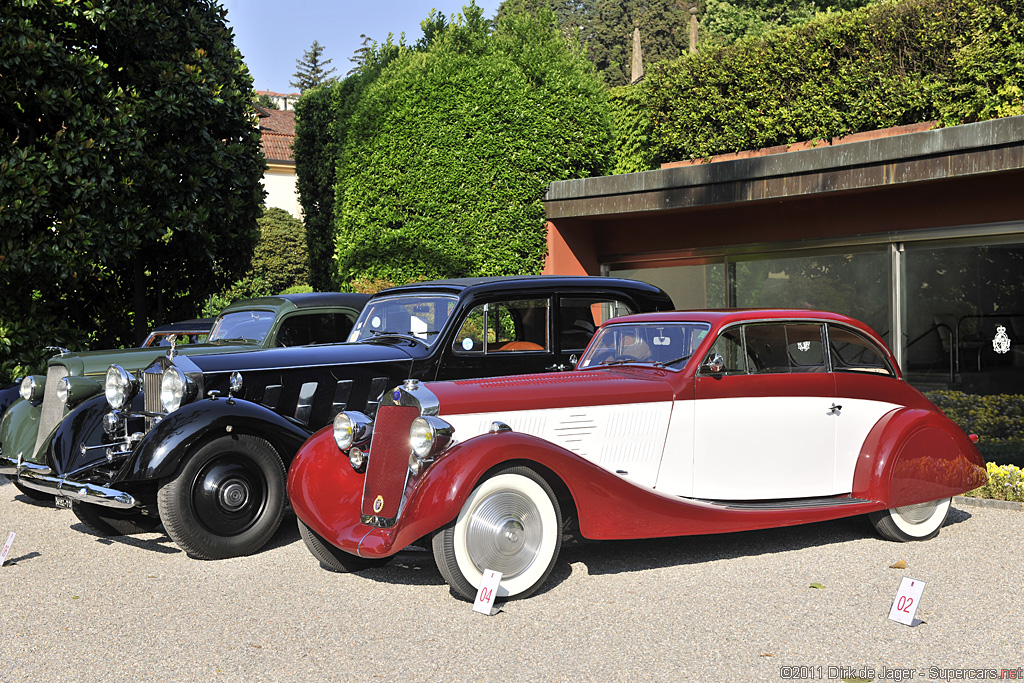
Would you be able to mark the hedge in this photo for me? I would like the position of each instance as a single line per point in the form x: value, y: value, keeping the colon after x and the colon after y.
x: 889, y: 64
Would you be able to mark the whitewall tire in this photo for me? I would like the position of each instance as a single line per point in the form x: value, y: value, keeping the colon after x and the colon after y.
x: 912, y: 522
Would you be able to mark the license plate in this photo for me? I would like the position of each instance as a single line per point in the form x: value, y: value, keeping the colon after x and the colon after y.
x: 62, y: 502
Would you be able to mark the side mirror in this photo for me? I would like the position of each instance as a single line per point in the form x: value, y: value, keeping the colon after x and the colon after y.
x: 713, y: 364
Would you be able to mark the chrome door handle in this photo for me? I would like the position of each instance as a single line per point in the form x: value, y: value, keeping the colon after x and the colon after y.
x: 559, y: 367
x: 834, y: 410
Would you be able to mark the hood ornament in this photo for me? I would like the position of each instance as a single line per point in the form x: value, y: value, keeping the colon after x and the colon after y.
x: 172, y: 352
x: 60, y: 349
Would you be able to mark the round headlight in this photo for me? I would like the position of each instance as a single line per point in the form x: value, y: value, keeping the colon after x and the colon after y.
x: 30, y: 390
x: 356, y: 458
x: 119, y: 387
x: 421, y: 437
x: 344, y: 431
x: 175, y: 389
x: 428, y: 436
x: 63, y: 389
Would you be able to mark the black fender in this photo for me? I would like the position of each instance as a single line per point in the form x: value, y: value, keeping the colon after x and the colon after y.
x: 82, y: 427
x: 162, y: 451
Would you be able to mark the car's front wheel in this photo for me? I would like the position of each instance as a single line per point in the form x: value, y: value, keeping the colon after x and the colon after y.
x: 107, y: 522
x: 917, y: 522
x: 227, y: 500
x: 335, y: 559
x: 30, y: 493
x: 511, y: 524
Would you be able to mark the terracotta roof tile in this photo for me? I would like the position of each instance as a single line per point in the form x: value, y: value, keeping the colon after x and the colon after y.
x: 277, y: 129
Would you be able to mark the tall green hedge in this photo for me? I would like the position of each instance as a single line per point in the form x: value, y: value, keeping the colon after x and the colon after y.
x: 448, y: 152
x: 885, y: 65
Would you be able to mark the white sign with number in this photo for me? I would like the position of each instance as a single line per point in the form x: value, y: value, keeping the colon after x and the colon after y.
x: 7, y: 549
x: 484, y: 602
x: 908, y: 598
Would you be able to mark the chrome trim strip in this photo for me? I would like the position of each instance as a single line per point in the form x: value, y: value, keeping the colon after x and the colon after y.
x: 8, y: 465
x: 77, y: 491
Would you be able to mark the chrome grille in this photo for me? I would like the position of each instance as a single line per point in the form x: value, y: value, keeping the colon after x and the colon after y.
x: 151, y: 395
x: 53, y: 408
x: 388, y: 464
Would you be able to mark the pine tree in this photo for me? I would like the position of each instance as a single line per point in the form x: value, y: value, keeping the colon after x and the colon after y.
x: 311, y: 70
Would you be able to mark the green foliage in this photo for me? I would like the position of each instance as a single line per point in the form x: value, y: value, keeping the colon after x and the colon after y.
x: 129, y: 169
x: 321, y: 124
x: 311, y: 71
x: 279, y: 262
x: 885, y: 65
x: 449, y: 150
x: 997, y: 419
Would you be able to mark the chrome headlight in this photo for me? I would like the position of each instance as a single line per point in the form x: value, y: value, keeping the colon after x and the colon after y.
x: 120, y: 387
x: 356, y: 458
x: 32, y: 387
x: 351, y: 428
x: 63, y: 389
x: 428, y: 436
x: 176, y: 389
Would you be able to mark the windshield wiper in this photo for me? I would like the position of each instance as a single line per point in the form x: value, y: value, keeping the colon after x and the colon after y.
x: 235, y: 339
x: 382, y: 334
x: 665, y: 363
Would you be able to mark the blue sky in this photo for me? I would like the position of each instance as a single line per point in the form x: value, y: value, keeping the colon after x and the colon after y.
x: 272, y: 34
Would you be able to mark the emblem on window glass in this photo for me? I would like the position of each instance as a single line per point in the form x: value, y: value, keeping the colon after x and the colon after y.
x: 803, y: 346
x: 1001, y: 342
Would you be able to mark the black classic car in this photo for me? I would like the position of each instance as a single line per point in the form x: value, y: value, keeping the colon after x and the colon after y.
x: 72, y: 379
x: 202, y: 443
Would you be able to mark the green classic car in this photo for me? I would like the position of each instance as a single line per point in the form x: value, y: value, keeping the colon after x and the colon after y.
x: 287, y: 320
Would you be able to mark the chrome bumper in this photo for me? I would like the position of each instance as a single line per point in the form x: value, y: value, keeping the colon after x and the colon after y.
x: 41, y: 478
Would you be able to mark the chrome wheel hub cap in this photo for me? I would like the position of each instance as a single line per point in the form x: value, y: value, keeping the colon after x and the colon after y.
x: 504, y: 534
x: 234, y: 495
x: 918, y: 513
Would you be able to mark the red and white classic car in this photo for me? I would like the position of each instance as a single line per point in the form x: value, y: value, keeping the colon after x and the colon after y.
x: 672, y: 424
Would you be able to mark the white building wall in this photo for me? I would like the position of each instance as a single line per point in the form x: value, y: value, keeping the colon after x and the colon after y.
x: 279, y: 182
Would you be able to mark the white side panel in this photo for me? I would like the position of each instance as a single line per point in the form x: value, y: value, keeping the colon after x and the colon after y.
x: 754, y: 448
x: 626, y: 438
x: 675, y: 477
x: 855, y: 421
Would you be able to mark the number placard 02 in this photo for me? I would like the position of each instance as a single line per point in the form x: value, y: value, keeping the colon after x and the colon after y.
x: 908, y: 598
x: 484, y: 602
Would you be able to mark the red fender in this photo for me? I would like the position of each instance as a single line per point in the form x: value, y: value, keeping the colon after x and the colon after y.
x: 913, y: 456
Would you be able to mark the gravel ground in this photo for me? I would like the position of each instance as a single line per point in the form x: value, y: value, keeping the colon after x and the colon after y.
x: 738, y: 607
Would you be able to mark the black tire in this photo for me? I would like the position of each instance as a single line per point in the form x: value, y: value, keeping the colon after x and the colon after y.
x: 911, y: 522
x: 333, y: 558
x: 30, y: 493
x: 510, y: 523
x: 227, y: 500
x: 111, y: 522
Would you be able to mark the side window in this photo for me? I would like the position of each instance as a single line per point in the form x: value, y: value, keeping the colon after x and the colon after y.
x: 728, y: 350
x: 315, y: 328
x: 503, y: 327
x: 785, y: 347
x: 579, y: 318
x: 851, y: 352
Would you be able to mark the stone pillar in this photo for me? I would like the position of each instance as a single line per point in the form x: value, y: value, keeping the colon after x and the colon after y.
x: 638, y: 57
x: 693, y: 29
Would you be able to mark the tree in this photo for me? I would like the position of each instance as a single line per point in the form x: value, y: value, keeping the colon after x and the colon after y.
x: 312, y: 70
x: 279, y: 261
x: 129, y: 170
x: 448, y: 152
x: 266, y: 101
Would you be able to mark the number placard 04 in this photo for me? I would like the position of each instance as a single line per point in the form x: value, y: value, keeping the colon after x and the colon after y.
x: 484, y: 602
x: 908, y: 598
x: 7, y: 549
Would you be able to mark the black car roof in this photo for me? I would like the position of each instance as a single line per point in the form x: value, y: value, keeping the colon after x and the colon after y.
x: 309, y: 300
x: 459, y: 285
x: 186, y: 325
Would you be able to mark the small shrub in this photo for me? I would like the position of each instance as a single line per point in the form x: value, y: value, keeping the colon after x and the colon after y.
x: 1005, y: 482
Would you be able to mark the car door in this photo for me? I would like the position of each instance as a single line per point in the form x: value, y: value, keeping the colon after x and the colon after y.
x: 764, y: 421
x: 863, y: 378
x: 509, y: 336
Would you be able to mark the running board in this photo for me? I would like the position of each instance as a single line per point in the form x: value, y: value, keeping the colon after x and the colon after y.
x: 790, y: 504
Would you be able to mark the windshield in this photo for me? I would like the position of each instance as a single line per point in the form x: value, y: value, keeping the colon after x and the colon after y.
x: 666, y: 344
x: 252, y: 325
x: 415, y: 317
